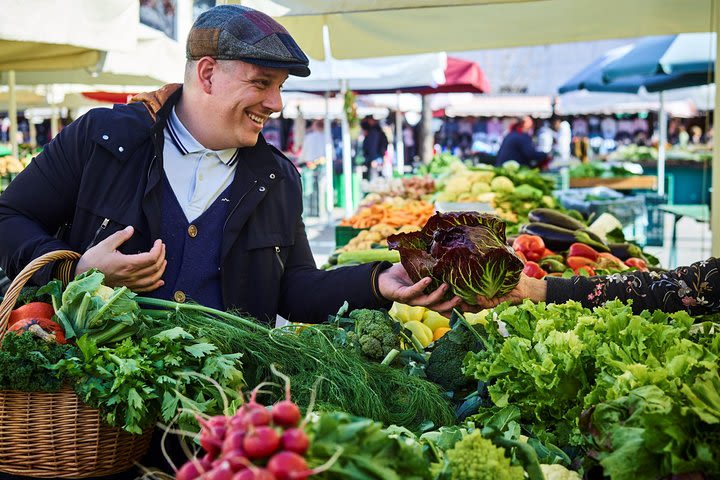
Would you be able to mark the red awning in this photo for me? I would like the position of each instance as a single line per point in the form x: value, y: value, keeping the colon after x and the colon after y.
x: 461, y: 76
x: 109, y: 97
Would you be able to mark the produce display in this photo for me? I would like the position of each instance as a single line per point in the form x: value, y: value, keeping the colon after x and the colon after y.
x: 532, y: 391
x: 394, y: 212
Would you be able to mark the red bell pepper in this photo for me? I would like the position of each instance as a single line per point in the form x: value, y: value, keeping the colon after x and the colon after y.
x: 533, y: 270
x: 531, y: 246
x: 582, y: 250
x: 521, y: 256
x: 585, y: 268
x: 638, y: 263
x: 608, y: 261
x: 547, y: 253
x: 577, y: 262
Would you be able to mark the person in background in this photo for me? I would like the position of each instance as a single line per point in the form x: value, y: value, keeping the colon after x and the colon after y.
x: 518, y: 145
x: 313, y: 148
x: 683, y: 136
x: 545, y: 138
x: 696, y: 135
x: 563, y: 138
x: 374, y: 146
x: 409, y: 142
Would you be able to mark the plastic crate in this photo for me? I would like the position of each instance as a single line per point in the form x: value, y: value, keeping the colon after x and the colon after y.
x: 344, y: 234
x: 655, y: 227
x: 627, y: 209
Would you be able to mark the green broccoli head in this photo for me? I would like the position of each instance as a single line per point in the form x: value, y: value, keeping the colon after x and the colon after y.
x: 476, y: 458
x: 375, y: 332
x: 444, y: 366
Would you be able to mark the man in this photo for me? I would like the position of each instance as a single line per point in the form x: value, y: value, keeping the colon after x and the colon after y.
x: 518, y: 145
x: 375, y: 145
x: 182, y: 197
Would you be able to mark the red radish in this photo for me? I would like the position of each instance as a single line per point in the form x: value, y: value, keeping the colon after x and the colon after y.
x: 254, y: 474
x: 233, y: 441
x: 189, y: 471
x: 259, y: 416
x: 288, y: 466
x: 212, y: 433
x: 261, y: 442
x: 221, y: 472
x: 237, y: 460
x: 286, y: 414
x: 295, y: 440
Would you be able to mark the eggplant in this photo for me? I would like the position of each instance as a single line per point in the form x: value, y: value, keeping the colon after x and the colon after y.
x: 623, y: 251
x: 553, y: 217
x: 558, y: 238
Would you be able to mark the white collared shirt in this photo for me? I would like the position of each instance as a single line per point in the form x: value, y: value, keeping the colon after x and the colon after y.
x: 196, y: 174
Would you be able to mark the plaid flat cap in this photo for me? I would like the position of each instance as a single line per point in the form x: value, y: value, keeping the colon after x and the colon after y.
x: 234, y: 32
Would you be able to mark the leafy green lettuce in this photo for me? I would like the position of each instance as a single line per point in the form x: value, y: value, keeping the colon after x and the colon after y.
x: 641, y: 391
x: 468, y: 251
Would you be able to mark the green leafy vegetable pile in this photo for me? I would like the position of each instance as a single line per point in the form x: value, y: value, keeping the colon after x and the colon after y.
x: 351, y: 383
x: 648, y: 383
x: 135, y: 383
x: 468, y: 251
x: 25, y: 361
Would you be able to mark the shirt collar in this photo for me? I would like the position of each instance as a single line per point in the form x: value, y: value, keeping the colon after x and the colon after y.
x: 187, y: 144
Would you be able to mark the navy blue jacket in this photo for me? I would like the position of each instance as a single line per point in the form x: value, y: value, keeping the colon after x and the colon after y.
x: 108, y: 165
x: 519, y: 147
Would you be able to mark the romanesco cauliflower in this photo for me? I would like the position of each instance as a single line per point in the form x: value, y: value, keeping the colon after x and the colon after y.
x: 476, y: 458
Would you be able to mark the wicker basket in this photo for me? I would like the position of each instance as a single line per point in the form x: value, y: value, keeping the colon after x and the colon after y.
x: 55, y: 435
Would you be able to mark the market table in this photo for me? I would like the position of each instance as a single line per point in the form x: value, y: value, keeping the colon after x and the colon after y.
x: 699, y: 213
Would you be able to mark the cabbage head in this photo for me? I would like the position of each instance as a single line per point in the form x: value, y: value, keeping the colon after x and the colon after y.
x: 466, y: 250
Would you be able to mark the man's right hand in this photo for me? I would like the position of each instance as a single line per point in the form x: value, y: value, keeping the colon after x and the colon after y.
x: 141, y: 272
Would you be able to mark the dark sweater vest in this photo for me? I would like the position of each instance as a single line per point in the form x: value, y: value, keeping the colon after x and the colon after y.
x: 192, y: 250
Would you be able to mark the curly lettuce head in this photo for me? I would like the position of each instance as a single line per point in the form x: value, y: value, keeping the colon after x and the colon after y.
x: 466, y: 250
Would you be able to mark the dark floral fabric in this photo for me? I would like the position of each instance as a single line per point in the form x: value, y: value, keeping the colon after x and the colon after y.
x: 695, y: 289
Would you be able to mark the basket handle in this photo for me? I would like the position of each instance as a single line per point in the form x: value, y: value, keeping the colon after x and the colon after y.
x: 19, y: 282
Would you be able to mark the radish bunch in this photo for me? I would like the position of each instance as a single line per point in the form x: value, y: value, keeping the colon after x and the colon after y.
x: 257, y: 443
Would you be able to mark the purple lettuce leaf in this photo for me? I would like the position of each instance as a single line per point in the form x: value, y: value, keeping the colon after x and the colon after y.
x: 464, y: 249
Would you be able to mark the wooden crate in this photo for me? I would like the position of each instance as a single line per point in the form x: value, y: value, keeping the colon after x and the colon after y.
x: 640, y: 182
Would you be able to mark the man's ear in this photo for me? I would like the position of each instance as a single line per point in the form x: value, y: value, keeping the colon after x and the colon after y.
x: 205, y: 68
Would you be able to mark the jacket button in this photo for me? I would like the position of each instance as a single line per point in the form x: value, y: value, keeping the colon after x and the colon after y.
x: 272, y: 176
x: 262, y: 189
x: 121, y: 149
x: 105, y: 137
x: 179, y: 296
x: 192, y: 231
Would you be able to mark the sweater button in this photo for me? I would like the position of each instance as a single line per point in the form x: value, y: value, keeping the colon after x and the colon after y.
x: 179, y: 296
x: 272, y: 176
x: 192, y: 231
x: 262, y: 189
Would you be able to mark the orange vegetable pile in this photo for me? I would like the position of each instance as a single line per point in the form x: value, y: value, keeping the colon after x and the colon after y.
x: 395, y: 213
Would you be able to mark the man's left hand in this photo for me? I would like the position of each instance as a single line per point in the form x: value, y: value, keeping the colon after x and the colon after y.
x: 395, y: 285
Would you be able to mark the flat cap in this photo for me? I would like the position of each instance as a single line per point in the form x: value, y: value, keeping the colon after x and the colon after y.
x: 234, y: 32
